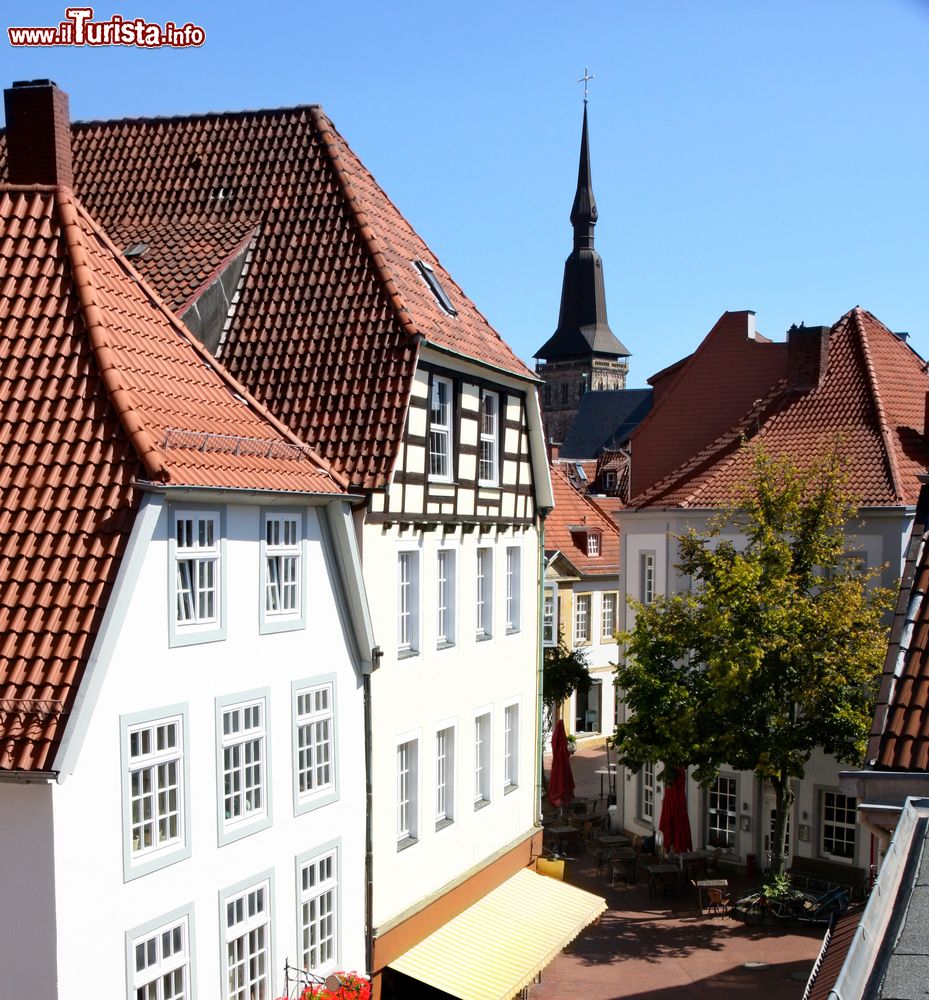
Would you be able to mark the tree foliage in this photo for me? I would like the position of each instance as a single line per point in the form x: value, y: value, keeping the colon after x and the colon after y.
x: 776, y: 649
x: 564, y: 671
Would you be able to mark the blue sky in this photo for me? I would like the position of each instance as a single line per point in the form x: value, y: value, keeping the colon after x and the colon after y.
x: 761, y: 154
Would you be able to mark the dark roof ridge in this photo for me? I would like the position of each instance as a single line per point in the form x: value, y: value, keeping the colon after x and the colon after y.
x: 854, y: 315
x: 149, y: 453
x: 205, y: 356
x: 190, y: 116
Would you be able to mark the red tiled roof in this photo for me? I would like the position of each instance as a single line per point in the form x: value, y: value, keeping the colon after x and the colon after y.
x: 331, y: 307
x: 99, y: 387
x: 871, y: 403
x: 900, y: 733
x: 574, y: 510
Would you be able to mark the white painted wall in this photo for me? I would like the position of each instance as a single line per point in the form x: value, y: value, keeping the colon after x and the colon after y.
x: 94, y: 905
x: 602, y: 651
x: 880, y: 537
x: 411, y: 696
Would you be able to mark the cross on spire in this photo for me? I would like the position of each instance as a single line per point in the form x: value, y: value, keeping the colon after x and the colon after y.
x: 585, y: 79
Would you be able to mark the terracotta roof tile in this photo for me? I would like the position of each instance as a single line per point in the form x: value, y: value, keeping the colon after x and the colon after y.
x: 324, y: 329
x: 574, y: 510
x: 871, y: 402
x: 99, y: 387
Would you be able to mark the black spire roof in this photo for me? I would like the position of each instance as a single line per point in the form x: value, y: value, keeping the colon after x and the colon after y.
x: 582, y: 324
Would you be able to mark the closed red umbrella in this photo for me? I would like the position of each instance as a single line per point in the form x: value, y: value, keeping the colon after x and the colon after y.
x: 674, y: 823
x: 561, y: 780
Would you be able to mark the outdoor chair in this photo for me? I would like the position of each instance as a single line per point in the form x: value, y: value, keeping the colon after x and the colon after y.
x: 623, y: 862
x: 717, y: 902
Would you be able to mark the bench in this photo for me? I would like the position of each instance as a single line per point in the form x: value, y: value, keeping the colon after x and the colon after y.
x: 818, y: 875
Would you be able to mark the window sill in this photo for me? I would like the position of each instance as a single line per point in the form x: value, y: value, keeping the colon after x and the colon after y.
x: 513, y: 631
x: 402, y: 845
x: 483, y: 637
x: 445, y: 645
x: 486, y: 484
x: 442, y: 824
x: 230, y: 832
x: 406, y: 654
x: 481, y: 804
x: 511, y: 787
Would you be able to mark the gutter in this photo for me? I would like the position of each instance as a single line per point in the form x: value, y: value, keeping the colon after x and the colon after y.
x: 540, y: 660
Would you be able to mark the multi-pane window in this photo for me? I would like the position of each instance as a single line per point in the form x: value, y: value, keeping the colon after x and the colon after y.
x: 647, y: 577
x: 315, y: 740
x: 838, y: 825
x: 481, y: 759
x: 243, y: 757
x: 647, y: 792
x: 160, y: 960
x: 407, y: 602
x: 608, y: 617
x: 721, y: 812
x: 581, y: 618
x: 444, y: 775
x: 318, y: 912
x: 511, y: 746
x: 549, y: 629
x: 196, y: 569
x: 485, y: 589
x: 247, y: 934
x: 593, y: 543
x: 512, y: 588
x: 609, y: 480
x: 490, y: 419
x: 407, y: 766
x: 282, y: 564
x: 445, y: 597
x: 440, y: 428
x: 156, y: 770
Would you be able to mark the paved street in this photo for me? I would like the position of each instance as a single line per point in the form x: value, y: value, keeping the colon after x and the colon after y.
x: 664, y: 949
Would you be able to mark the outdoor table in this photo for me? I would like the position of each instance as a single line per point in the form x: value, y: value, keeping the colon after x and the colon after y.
x: 709, y: 883
x: 663, y: 875
x: 623, y: 862
x: 694, y: 862
x: 612, y: 840
x: 609, y: 771
x: 560, y: 832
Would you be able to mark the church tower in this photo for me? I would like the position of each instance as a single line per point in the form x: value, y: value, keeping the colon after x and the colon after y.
x: 583, y: 353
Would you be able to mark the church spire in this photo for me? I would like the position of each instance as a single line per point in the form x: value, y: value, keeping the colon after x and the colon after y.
x: 584, y: 209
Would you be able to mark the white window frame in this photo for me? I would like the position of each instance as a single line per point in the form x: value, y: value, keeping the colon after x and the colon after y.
x: 141, y: 860
x: 196, y: 577
x: 315, y: 757
x: 510, y: 746
x: 283, y: 570
x: 483, y: 757
x: 593, y: 544
x: 488, y: 459
x: 446, y: 565
x: 610, y: 479
x: 513, y: 588
x: 319, y: 908
x: 484, y: 592
x: 609, y: 602
x: 407, y: 766
x: 828, y: 817
x: 583, y: 604
x: 148, y: 942
x: 647, y: 789
x: 445, y: 774
x: 550, y: 618
x: 717, y: 802
x: 241, y: 744
x: 441, y: 429
x: 242, y: 924
x: 647, y: 577
x: 407, y: 602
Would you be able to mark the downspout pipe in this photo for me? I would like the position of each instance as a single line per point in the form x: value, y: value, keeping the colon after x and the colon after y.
x: 540, y: 662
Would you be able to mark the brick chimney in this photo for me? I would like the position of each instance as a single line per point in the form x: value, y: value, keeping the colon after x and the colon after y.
x: 807, y: 356
x: 38, y: 133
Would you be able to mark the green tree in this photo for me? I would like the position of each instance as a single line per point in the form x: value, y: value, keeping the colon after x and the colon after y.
x: 563, y: 672
x: 776, y: 650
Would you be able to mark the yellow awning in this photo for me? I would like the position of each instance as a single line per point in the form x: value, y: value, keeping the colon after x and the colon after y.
x: 495, y: 947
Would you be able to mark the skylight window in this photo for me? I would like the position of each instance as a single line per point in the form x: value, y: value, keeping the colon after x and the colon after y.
x: 135, y: 250
x: 435, y: 286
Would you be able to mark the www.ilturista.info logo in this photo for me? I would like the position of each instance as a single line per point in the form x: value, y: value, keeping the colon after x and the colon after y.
x: 79, y: 28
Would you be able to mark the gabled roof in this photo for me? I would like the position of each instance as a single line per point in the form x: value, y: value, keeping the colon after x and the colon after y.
x: 605, y: 418
x: 574, y: 511
x: 330, y: 308
x: 100, y: 387
x: 870, y: 402
x: 900, y: 733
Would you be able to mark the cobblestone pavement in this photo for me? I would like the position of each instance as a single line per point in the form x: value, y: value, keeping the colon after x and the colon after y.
x: 665, y: 949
